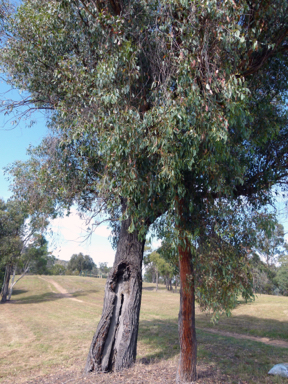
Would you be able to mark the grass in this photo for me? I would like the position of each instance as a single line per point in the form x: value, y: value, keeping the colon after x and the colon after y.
x: 42, y: 331
x: 267, y: 316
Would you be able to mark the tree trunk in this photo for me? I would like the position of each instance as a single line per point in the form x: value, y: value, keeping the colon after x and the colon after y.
x: 5, y: 287
x: 26, y: 269
x: 114, y: 344
x: 157, y: 279
x: 186, y: 371
x: 12, y: 283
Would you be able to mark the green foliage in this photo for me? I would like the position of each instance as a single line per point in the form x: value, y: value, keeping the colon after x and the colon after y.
x: 282, y: 279
x: 36, y: 256
x: 183, y: 105
x: 12, y: 231
x: 157, y: 268
x: 6, y: 9
x: 103, y: 268
x: 57, y: 269
x: 79, y: 262
x: 271, y: 244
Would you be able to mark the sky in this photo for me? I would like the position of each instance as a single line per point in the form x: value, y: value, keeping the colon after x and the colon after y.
x: 65, y: 235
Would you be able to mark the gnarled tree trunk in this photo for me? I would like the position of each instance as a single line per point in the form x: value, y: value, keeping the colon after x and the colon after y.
x: 5, y: 287
x: 114, y: 344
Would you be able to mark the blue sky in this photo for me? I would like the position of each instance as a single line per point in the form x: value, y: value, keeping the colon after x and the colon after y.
x: 68, y: 232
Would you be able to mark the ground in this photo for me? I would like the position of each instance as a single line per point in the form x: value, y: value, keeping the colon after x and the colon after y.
x: 48, y: 326
x: 154, y: 373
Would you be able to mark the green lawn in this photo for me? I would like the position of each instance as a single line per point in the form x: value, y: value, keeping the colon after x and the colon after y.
x: 42, y: 331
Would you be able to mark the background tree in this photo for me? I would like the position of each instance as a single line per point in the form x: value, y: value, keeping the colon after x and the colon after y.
x: 18, y: 247
x: 104, y: 269
x: 157, y: 267
x: 34, y: 258
x: 80, y: 263
x: 282, y: 275
x: 270, y: 245
x: 12, y: 219
x: 36, y: 255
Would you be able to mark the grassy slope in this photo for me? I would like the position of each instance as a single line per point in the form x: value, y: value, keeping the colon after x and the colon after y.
x: 42, y: 331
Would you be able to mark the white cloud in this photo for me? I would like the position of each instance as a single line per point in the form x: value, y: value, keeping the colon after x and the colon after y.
x: 69, y: 235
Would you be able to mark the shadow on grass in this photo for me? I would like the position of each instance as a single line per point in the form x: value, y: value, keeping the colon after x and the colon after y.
x: 51, y: 296
x: 248, y: 325
x: 244, y: 360
x: 161, y: 336
x: 19, y: 291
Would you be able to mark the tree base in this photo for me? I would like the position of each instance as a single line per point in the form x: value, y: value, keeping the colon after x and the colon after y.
x: 114, y: 344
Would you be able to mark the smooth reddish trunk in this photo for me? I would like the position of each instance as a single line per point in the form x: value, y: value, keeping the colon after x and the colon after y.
x: 186, y: 372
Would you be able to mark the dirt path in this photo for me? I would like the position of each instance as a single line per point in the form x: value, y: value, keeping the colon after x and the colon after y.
x: 62, y: 290
x: 264, y: 340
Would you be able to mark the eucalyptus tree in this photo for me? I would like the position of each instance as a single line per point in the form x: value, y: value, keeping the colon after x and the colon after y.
x: 80, y: 263
x: 186, y: 102
x: 59, y: 174
x: 16, y: 231
x: 59, y: 76
x: 33, y: 257
x: 12, y: 221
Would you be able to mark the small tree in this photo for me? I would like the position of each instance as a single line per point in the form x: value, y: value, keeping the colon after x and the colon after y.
x: 79, y: 262
x: 104, y: 269
x: 12, y: 223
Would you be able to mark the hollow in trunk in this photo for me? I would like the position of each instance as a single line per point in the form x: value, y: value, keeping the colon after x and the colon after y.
x: 114, y: 344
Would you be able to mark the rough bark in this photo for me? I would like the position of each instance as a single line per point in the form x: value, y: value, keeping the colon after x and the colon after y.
x: 186, y: 372
x: 5, y: 287
x: 114, y: 344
